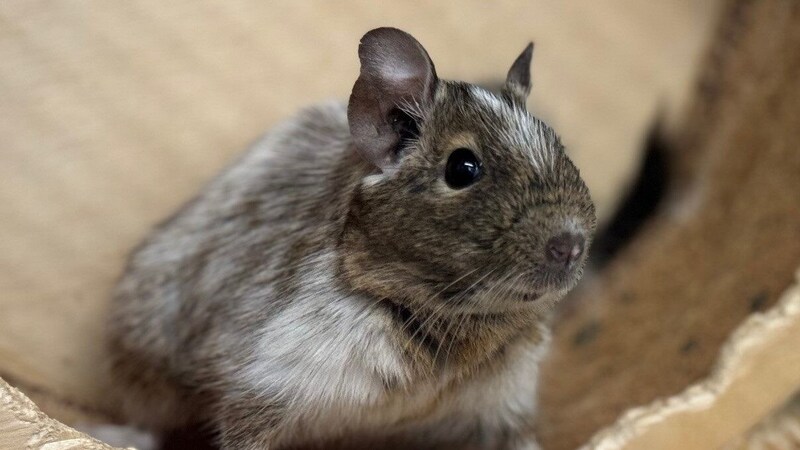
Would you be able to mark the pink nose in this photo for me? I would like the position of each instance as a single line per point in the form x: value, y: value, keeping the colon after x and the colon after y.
x: 564, y: 249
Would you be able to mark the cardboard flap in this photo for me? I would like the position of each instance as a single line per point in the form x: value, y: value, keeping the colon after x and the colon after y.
x: 23, y: 425
x: 757, y: 370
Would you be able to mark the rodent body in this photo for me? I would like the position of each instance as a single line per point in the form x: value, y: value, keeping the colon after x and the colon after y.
x: 332, y: 286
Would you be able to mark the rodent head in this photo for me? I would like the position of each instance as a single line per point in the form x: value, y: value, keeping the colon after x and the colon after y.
x: 473, y: 203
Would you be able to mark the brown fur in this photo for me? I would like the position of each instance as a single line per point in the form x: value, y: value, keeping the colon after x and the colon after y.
x: 279, y: 305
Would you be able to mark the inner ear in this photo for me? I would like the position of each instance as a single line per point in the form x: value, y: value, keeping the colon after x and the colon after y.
x: 396, y: 84
x: 518, y: 80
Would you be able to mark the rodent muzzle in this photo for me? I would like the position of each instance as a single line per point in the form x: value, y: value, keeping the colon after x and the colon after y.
x: 564, y: 250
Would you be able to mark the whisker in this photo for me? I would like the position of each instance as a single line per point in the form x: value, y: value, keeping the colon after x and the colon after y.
x: 432, y: 314
x: 495, y: 286
x: 447, y: 331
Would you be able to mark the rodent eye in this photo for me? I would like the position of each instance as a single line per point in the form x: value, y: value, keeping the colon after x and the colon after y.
x: 463, y: 168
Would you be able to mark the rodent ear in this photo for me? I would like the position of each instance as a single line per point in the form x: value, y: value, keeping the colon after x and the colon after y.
x: 518, y: 81
x: 396, y: 75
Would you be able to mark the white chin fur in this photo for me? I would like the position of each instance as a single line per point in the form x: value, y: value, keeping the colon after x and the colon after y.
x: 122, y: 436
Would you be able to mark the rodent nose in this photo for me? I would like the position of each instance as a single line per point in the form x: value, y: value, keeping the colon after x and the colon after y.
x: 564, y: 249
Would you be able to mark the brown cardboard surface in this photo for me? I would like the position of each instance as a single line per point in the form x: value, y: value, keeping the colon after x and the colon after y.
x: 758, y: 369
x: 724, y: 246
x: 111, y: 114
x: 114, y: 113
x: 779, y: 430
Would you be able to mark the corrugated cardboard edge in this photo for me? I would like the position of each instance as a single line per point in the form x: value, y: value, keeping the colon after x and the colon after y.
x: 25, y: 426
x: 758, y: 370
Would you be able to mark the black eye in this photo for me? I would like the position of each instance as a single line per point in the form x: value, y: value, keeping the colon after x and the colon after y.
x: 463, y: 168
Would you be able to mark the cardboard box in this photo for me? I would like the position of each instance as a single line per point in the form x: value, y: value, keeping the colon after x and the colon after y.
x: 113, y: 114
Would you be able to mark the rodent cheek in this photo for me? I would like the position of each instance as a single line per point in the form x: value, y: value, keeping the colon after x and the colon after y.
x: 527, y: 236
x: 443, y: 191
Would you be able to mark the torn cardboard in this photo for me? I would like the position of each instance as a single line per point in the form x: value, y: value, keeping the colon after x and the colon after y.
x: 113, y: 114
x: 24, y: 426
x: 758, y: 369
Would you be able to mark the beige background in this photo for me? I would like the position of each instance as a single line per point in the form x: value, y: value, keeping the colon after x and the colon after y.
x: 113, y: 113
